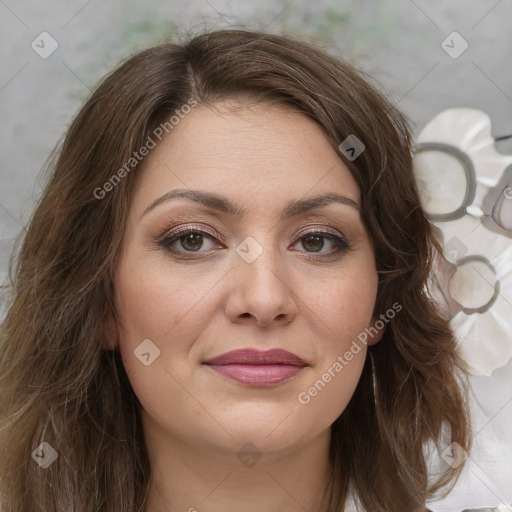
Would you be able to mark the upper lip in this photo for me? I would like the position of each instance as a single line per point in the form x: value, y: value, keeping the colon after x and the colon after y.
x: 253, y: 356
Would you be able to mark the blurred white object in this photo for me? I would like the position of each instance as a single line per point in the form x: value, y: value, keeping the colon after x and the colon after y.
x: 466, y: 188
x: 480, y: 282
x: 467, y: 130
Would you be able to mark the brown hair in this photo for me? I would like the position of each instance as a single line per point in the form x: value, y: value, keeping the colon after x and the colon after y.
x: 58, y: 384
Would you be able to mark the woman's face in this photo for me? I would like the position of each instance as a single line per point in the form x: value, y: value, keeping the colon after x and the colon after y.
x: 270, y: 266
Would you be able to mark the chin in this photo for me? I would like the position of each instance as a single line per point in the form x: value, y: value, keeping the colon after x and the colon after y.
x: 268, y: 433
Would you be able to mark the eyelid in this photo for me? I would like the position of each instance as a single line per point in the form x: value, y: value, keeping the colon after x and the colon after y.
x: 185, y: 228
x: 321, y: 229
x: 176, y: 230
x: 336, y: 237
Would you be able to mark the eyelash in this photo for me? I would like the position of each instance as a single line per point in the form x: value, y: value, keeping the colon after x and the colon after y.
x: 166, y: 238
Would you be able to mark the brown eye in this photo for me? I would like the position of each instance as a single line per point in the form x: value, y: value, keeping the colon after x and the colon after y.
x: 191, y: 242
x: 313, y: 243
x: 316, y: 241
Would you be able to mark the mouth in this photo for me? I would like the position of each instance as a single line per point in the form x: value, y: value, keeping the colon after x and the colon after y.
x: 256, y: 368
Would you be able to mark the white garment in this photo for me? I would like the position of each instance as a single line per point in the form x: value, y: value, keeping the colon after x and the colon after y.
x: 486, y: 480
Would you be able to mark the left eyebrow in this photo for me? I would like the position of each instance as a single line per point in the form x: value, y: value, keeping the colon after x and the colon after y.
x: 227, y: 206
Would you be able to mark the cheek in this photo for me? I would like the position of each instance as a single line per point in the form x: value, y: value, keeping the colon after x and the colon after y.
x: 162, y: 307
x: 330, y: 389
x: 160, y: 315
x: 156, y: 303
x: 345, y: 308
x: 344, y: 305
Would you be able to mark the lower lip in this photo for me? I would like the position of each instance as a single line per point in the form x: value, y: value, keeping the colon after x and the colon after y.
x: 258, y: 374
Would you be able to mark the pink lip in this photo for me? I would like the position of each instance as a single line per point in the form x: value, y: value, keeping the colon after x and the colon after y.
x: 257, y: 368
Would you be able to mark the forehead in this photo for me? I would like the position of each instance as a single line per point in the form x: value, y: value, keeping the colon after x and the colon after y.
x: 244, y: 151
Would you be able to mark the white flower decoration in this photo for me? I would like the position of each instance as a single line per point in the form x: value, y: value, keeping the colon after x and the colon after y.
x: 439, y: 173
x: 466, y: 188
x: 478, y: 286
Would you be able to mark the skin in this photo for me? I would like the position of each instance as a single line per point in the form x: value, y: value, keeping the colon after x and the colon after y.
x: 292, y: 296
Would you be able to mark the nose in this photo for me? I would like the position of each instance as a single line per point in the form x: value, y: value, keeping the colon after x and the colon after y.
x: 261, y: 291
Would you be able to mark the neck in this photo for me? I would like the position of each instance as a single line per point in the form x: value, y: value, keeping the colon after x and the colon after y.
x: 192, y: 478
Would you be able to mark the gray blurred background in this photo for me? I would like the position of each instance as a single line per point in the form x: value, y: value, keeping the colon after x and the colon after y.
x: 398, y: 42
